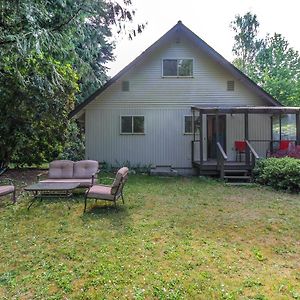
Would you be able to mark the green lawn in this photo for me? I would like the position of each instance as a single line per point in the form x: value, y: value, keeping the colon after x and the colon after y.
x: 175, y: 238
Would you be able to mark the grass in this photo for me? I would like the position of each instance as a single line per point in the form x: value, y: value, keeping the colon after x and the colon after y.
x: 175, y: 238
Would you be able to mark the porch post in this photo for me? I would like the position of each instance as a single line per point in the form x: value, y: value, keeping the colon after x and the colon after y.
x: 201, y: 137
x: 272, y: 137
x: 193, y: 126
x: 217, y: 127
x: 280, y: 127
x: 298, y: 128
x: 246, y: 119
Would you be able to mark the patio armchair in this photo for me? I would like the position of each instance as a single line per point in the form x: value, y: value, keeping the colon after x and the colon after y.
x: 240, y: 148
x: 8, y: 189
x: 284, y: 148
x: 108, y: 192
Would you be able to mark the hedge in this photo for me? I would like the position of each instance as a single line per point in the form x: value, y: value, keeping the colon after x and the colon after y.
x: 279, y: 173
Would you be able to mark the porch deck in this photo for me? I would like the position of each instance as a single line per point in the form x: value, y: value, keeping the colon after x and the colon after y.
x: 211, y: 166
x: 216, y: 135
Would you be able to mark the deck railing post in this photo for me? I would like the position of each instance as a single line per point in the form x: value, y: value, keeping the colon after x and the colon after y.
x: 222, y: 168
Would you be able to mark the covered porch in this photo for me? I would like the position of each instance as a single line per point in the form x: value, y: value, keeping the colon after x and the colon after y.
x: 259, y: 130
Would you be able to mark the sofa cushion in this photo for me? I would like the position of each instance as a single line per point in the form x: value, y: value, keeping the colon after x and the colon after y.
x: 61, y: 169
x: 6, y: 189
x: 123, y: 172
x: 85, y: 168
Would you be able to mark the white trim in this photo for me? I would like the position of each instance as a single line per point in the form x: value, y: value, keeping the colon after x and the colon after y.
x: 132, y: 125
x: 176, y: 76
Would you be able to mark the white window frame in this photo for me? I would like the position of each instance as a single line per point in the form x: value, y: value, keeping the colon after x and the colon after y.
x: 176, y: 76
x: 132, y: 126
x: 193, y: 127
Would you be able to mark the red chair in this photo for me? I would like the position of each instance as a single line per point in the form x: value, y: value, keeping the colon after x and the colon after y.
x: 284, y: 144
x: 240, y: 148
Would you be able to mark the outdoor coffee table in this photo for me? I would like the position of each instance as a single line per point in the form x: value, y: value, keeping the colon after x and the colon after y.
x: 51, y: 189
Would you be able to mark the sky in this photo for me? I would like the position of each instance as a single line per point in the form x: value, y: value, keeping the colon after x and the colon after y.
x: 210, y: 20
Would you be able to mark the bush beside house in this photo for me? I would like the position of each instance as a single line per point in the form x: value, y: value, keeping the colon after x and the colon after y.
x: 279, y: 173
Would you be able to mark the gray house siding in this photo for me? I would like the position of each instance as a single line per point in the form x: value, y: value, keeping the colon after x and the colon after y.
x: 164, y: 102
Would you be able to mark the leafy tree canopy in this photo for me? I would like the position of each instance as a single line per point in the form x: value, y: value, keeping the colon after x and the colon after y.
x: 270, y: 61
x: 52, y: 55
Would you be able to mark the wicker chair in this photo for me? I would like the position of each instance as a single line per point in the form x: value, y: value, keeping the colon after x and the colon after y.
x: 108, y: 192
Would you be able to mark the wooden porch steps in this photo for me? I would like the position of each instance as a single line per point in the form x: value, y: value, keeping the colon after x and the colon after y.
x: 237, y: 176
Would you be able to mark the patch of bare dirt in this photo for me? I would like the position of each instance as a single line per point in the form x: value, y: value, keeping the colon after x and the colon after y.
x: 22, y: 177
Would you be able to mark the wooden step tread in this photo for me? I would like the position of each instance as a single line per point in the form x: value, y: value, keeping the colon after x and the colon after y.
x: 240, y: 183
x: 235, y: 171
x: 237, y: 177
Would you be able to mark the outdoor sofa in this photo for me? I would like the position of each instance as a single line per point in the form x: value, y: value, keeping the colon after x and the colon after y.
x: 66, y: 171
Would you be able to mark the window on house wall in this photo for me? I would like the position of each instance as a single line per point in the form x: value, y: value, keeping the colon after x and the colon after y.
x: 189, y: 125
x: 178, y: 67
x: 132, y: 125
x: 286, y: 130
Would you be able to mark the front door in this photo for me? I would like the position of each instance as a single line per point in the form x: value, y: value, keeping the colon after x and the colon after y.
x: 212, y: 135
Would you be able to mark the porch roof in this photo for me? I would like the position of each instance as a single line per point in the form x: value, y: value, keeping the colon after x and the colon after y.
x: 247, y: 109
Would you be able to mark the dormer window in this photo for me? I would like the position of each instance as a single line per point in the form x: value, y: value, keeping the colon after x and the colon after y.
x: 177, y: 68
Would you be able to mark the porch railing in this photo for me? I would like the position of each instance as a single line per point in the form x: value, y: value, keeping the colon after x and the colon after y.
x: 251, y: 155
x: 221, y: 158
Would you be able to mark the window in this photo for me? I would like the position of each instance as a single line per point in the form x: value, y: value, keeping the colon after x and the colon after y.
x: 178, y: 67
x: 132, y: 125
x: 189, y: 125
x: 230, y: 85
x: 284, y: 128
x: 125, y: 86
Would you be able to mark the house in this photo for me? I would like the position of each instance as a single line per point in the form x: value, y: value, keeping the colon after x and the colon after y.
x: 181, y: 104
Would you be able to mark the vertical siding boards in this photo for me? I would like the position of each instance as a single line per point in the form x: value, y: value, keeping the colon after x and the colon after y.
x: 163, y: 102
x: 163, y: 142
x: 235, y: 132
x: 260, y: 129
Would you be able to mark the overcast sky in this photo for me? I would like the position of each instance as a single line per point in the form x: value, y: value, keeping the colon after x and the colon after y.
x: 210, y: 20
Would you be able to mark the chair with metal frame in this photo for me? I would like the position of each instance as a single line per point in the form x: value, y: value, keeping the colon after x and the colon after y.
x: 240, y: 148
x: 108, y: 192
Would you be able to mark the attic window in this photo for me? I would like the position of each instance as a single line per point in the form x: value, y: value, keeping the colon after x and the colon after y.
x: 125, y: 86
x: 177, y: 68
x: 230, y: 85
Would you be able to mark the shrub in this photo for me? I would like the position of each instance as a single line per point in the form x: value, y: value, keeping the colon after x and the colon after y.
x: 279, y: 173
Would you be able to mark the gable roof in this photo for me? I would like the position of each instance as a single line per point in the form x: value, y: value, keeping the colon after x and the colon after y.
x: 180, y: 29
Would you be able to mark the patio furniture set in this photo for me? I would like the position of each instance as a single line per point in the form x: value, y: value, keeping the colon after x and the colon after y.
x: 64, y: 176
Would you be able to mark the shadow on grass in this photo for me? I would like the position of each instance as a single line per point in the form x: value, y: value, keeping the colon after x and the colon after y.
x: 117, y: 216
x: 105, y: 208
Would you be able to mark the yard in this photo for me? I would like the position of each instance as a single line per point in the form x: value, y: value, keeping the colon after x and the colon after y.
x: 175, y: 238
